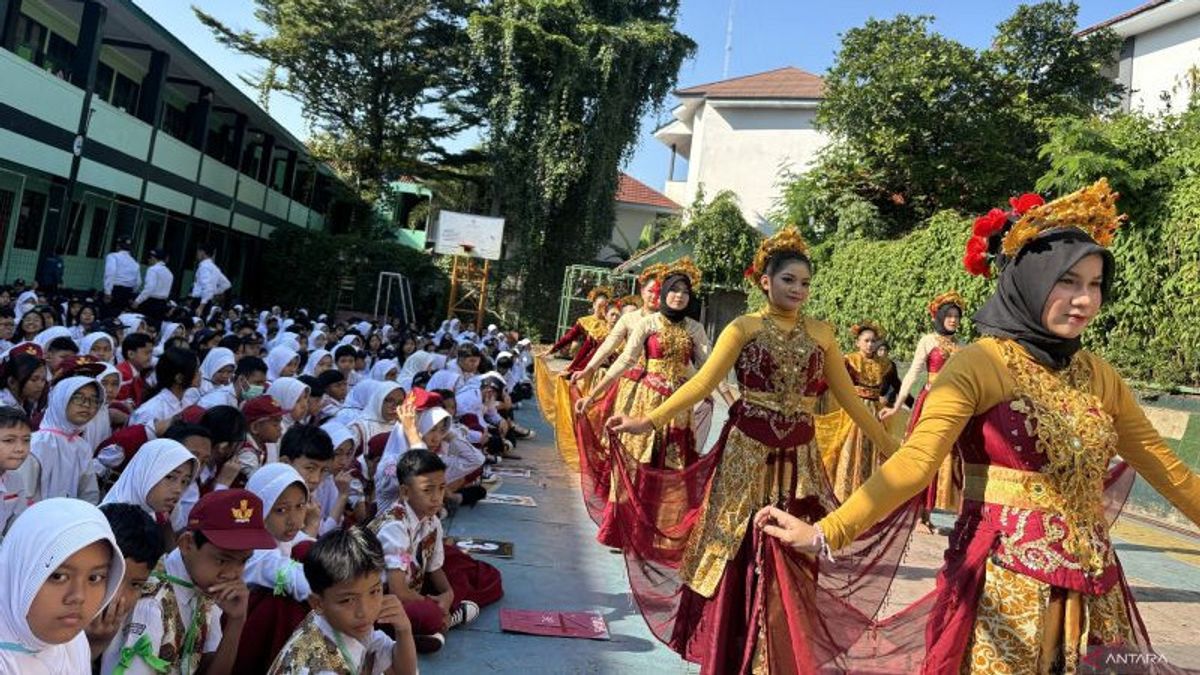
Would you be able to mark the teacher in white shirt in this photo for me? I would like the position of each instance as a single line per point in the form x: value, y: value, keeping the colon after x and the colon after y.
x: 210, y: 281
x: 156, y: 288
x: 121, y: 277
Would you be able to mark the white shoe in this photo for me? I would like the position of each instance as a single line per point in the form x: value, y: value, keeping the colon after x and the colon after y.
x: 465, y: 613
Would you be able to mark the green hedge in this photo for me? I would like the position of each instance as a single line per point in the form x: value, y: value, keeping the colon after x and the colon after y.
x: 306, y: 268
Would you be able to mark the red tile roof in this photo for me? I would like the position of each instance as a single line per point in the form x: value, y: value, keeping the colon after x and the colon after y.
x: 632, y: 191
x: 781, y: 83
x: 1144, y: 7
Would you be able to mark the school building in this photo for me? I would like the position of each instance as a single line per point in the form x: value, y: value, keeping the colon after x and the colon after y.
x: 111, y: 126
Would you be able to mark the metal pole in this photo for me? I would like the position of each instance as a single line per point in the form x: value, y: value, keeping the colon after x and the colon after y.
x: 482, y: 296
x: 378, y: 287
x: 453, y: 289
x: 387, y: 306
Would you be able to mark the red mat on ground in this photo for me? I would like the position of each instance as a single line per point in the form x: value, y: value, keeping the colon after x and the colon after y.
x: 585, y: 625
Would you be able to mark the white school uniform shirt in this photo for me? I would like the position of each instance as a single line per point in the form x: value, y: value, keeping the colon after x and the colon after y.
x: 402, y: 536
x: 163, y: 405
x: 157, y: 283
x: 273, y: 567
x: 13, y: 499
x: 210, y: 281
x: 39, y: 542
x: 120, y: 269
x: 147, y: 619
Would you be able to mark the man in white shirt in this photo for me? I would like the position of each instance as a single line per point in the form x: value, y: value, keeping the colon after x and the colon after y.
x: 156, y: 288
x: 210, y: 281
x: 121, y: 278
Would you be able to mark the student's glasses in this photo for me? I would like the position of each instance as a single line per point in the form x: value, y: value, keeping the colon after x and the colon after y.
x: 85, y: 401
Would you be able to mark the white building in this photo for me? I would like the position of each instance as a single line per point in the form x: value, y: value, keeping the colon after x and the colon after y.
x: 741, y: 134
x: 1159, y: 63
x: 638, y: 206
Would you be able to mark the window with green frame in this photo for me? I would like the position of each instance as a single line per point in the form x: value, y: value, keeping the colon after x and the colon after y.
x: 31, y: 38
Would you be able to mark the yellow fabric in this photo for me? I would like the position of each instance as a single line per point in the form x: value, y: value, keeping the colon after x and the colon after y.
x: 554, y: 399
x: 729, y: 346
x: 972, y: 383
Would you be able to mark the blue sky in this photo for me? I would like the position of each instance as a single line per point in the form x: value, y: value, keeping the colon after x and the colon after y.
x: 767, y: 34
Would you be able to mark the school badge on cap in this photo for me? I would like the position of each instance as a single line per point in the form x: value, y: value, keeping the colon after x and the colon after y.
x: 243, y: 513
x: 232, y: 520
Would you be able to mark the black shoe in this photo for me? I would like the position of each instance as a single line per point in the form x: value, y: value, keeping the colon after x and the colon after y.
x: 472, y: 494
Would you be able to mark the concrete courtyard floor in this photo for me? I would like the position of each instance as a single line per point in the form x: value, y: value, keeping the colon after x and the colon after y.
x: 558, y: 565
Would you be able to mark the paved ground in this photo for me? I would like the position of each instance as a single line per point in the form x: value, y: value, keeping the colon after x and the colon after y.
x: 558, y: 565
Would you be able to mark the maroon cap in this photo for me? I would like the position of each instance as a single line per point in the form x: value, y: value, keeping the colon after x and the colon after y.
x: 79, y: 365
x: 424, y: 400
x: 232, y: 520
x: 261, y: 407
x: 192, y: 414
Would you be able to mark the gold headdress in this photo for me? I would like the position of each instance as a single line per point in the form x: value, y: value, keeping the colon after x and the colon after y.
x: 651, y: 273
x: 635, y: 300
x: 687, y: 268
x: 599, y: 291
x: 1092, y: 209
x: 947, y: 298
x: 787, y: 239
x: 858, y: 328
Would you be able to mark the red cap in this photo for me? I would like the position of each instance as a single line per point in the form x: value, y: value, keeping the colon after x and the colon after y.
x: 260, y: 408
x: 192, y: 414
x: 424, y: 400
x: 79, y: 364
x: 27, y: 348
x: 232, y: 520
x: 376, y: 444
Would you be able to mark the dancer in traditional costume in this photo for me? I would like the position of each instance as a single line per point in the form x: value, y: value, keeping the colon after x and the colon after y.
x: 930, y: 356
x: 660, y: 353
x: 1031, y: 581
x: 649, y: 283
x: 855, y: 457
x: 708, y: 584
x: 591, y: 329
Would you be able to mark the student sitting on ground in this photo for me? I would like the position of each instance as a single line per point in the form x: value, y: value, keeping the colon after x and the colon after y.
x: 155, y: 480
x: 138, y: 537
x: 15, y: 436
x: 344, y: 570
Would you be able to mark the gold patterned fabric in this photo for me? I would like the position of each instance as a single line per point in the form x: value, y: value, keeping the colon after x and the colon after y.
x: 851, y: 457
x: 309, y: 650
x: 174, y: 624
x: 596, y: 327
x: 1026, y: 627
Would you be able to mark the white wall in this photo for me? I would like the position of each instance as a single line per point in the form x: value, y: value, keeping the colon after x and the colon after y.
x: 629, y: 220
x: 745, y: 149
x: 1162, y: 58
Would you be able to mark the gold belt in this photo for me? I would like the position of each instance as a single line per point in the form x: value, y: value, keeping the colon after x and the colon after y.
x: 1007, y: 487
x: 666, y: 367
x: 762, y: 399
x: 869, y: 393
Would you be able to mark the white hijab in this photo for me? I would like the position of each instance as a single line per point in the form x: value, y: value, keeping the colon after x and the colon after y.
x: 100, y: 426
x: 380, y: 370
x: 271, y: 480
x: 373, y: 411
x: 44, y: 338
x: 417, y: 363
x: 356, y: 402
x: 277, y: 360
x: 89, y: 340
x: 41, y: 540
x: 338, y: 433
x: 149, y: 465
x: 287, y: 390
x: 314, y: 357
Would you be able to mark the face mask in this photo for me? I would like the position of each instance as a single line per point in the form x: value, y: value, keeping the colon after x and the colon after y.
x: 252, y: 391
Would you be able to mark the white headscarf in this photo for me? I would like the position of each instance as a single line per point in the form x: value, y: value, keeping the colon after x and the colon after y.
x: 277, y: 360
x: 44, y: 338
x: 339, y: 433
x: 380, y: 370
x: 317, y: 339
x: 287, y: 390
x: 131, y: 321
x: 288, y: 340
x: 100, y: 426
x: 59, y: 446
x: 356, y: 402
x: 444, y: 379
x: 314, y: 357
x: 429, y: 419
x: 373, y: 411
x: 271, y: 480
x: 149, y: 465
x: 42, y: 539
x: 417, y: 363
x: 89, y: 340
x: 216, y: 359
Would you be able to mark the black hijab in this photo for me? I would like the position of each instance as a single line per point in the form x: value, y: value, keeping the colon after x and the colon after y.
x: 674, y: 315
x: 1015, y: 309
x: 939, y: 318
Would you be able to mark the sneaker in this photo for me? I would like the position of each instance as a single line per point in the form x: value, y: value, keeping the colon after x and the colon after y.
x: 428, y: 644
x: 465, y: 613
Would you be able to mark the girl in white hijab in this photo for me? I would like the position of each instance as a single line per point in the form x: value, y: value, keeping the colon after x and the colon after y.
x: 319, y: 360
x: 292, y: 395
x: 417, y: 363
x: 99, y: 427
x: 44, y: 338
x: 99, y: 345
x: 281, y: 362
x: 41, y: 624
x: 327, y: 494
x: 60, y: 455
x: 155, y: 479
x: 216, y: 371
x: 384, y: 371
x: 285, y: 499
x: 379, y: 414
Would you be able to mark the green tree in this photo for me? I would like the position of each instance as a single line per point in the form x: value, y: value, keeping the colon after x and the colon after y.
x: 381, y: 81
x: 723, y: 243
x: 921, y: 123
x: 566, y: 83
